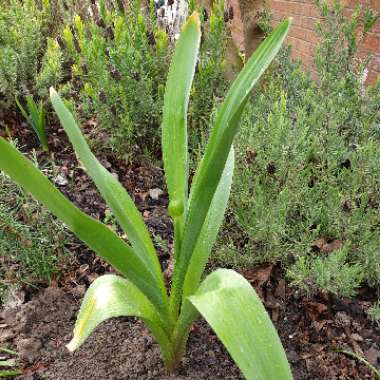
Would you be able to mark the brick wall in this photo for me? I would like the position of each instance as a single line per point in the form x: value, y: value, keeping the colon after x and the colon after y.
x: 302, y: 35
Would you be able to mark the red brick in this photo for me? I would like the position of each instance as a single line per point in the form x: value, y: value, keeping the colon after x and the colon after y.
x: 303, y: 37
x: 372, y: 42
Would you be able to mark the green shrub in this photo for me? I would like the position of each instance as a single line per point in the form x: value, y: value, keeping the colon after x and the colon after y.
x: 331, y: 273
x: 308, y: 156
x: 112, y: 62
x: 29, y: 59
x: 374, y: 312
x: 118, y: 61
x: 32, y: 242
x: 118, y: 65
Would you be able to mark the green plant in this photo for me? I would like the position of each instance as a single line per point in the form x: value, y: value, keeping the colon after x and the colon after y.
x: 35, y: 115
x: 9, y: 363
x: 32, y: 242
x: 119, y: 53
x: 210, y: 84
x: 332, y: 274
x: 362, y: 360
x: 224, y: 298
x: 24, y: 34
x: 117, y: 61
x: 307, y: 182
x: 374, y: 312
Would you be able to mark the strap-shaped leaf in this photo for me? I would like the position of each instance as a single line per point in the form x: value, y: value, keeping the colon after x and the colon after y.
x: 113, y: 192
x: 201, y: 254
x: 232, y: 308
x: 174, y: 124
x: 112, y: 296
x: 95, y: 234
x: 210, y: 229
x: 36, y: 118
x: 212, y: 165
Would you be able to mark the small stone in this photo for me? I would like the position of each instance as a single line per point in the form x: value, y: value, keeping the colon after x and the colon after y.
x: 293, y: 357
x: 61, y: 180
x: 155, y: 193
x: 28, y: 349
x: 357, y: 337
x: 79, y: 291
x: 373, y: 355
x: 13, y: 297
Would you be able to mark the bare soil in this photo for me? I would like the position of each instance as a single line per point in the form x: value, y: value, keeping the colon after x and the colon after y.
x: 310, y: 329
x: 118, y: 349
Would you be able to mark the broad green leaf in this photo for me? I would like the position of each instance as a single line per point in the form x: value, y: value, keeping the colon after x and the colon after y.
x: 212, y: 165
x: 112, y: 296
x: 174, y: 124
x: 231, y: 306
x: 210, y: 229
x: 96, y: 235
x: 113, y: 192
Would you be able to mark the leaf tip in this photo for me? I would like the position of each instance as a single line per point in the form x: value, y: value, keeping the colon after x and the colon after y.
x: 194, y: 19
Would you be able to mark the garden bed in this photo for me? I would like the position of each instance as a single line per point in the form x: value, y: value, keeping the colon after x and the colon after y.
x: 302, y: 225
x: 311, y: 328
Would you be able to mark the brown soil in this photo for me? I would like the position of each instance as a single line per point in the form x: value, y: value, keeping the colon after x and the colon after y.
x: 311, y: 330
x: 118, y: 349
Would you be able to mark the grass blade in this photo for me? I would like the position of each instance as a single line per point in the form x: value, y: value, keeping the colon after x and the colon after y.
x: 8, y: 351
x: 174, y: 124
x: 36, y: 118
x: 113, y: 192
x: 10, y: 373
x: 212, y: 165
x: 362, y: 360
x: 95, y: 234
x: 7, y: 363
x: 232, y: 308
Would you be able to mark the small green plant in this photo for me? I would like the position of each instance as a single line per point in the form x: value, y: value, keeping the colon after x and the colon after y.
x: 224, y: 298
x: 8, y: 363
x: 35, y: 115
x: 362, y: 360
x: 32, y: 241
x: 374, y: 312
x: 332, y: 274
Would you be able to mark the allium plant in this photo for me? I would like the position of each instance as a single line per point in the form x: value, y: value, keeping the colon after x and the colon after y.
x: 224, y: 298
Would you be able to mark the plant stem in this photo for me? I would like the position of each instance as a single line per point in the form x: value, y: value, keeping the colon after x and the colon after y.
x: 362, y: 360
x: 182, y: 329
